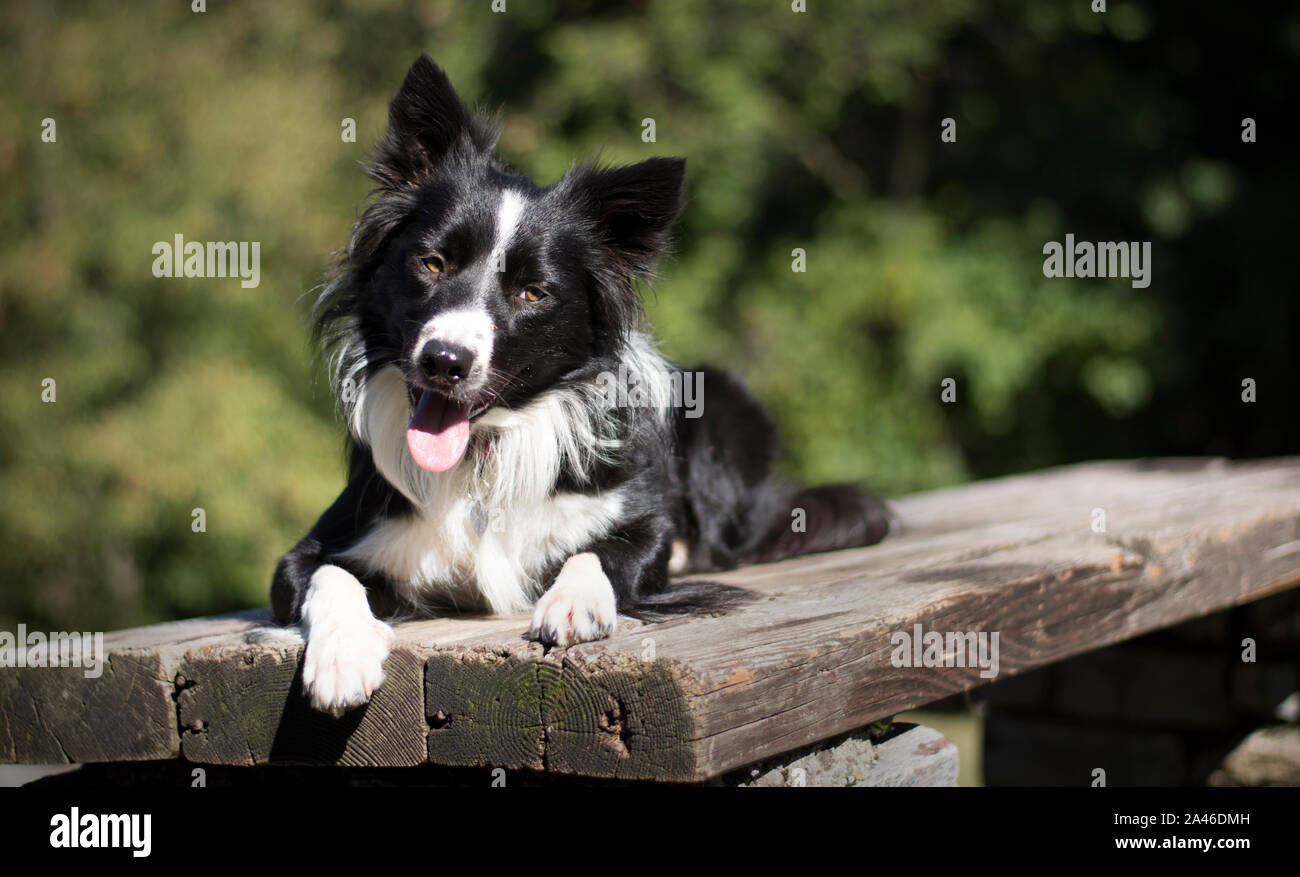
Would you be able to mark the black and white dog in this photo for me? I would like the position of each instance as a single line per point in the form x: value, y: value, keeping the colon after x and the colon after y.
x: 475, y: 326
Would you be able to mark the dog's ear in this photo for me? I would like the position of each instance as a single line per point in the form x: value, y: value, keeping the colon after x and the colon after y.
x: 633, y: 207
x: 427, y: 123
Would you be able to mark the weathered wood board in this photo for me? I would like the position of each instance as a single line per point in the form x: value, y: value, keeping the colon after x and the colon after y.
x: 808, y: 657
x: 57, y: 715
x: 918, y: 756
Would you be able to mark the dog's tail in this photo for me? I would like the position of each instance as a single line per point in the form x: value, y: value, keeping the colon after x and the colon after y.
x: 688, y: 598
x: 808, y: 520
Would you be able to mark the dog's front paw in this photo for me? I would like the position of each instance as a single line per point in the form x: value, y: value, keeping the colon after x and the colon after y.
x: 579, y: 607
x: 344, y: 666
x: 346, y: 645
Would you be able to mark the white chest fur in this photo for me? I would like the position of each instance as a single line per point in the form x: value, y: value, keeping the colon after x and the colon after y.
x: 485, y: 531
x: 441, y: 555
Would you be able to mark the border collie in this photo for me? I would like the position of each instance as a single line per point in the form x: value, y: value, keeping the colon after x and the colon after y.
x: 475, y: 326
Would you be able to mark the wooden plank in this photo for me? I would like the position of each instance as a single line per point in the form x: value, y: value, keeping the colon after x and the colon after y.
x: 241, y: 702
x: 1268, y: 757
x: 614, y: 715
x: 484, y: 708
x: 247, y: 708
x: 57, y: 715
x: 919, y: 756
x: 1181, y: 542
x: 806, y: 659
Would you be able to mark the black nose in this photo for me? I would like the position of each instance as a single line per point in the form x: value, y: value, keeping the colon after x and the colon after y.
x: 445, y: 363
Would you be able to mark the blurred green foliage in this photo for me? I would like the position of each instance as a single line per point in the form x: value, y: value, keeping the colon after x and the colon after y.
x: 818, y: 131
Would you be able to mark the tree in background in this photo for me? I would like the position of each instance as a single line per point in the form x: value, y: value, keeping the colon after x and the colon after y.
x: 814, y: 142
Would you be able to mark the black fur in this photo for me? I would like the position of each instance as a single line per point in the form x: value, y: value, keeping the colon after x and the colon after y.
x: 587, y: 242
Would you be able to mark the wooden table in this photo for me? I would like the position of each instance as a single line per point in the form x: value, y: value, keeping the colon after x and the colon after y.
x: 1056, y: 563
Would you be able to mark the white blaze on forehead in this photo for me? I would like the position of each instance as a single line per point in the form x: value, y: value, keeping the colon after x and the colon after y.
x: 509, y: 210
x: 471, y: 329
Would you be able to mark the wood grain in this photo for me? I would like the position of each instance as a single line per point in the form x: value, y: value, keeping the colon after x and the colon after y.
x: 56, y: 715
x: 807, y: 658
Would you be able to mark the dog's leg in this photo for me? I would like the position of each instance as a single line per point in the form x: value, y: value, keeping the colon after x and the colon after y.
x: 582, y: 605
x: 346, y: 644
x: 363, y: 500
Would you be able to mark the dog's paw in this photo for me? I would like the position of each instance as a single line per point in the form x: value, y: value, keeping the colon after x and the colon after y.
x: 579, y: 607
x: 344, y: 666
x: 346, y: 645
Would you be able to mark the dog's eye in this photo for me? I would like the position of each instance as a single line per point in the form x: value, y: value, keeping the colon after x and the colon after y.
x: 532, y: 294
x: 434, y: 264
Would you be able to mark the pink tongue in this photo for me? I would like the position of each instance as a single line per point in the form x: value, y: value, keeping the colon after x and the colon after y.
x: 438, y: 433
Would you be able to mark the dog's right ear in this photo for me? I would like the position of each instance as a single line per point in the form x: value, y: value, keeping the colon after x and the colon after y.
x: 427, y: 123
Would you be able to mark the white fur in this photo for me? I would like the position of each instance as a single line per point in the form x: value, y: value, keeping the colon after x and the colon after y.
x: 579, y: 607
x: 443, y: 557
x: 529, y: 445
x: 471, y: 329
x: 346, y: 644
x: 508, y: 213
x: 650, y: 371
x: 487, y: 529
x: 525, y: 526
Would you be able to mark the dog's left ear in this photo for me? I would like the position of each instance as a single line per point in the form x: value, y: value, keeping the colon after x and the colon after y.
x: 633, y: 206
x: 427, y: 123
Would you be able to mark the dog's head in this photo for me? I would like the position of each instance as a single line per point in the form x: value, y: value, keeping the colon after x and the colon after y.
x: 481, y: 287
